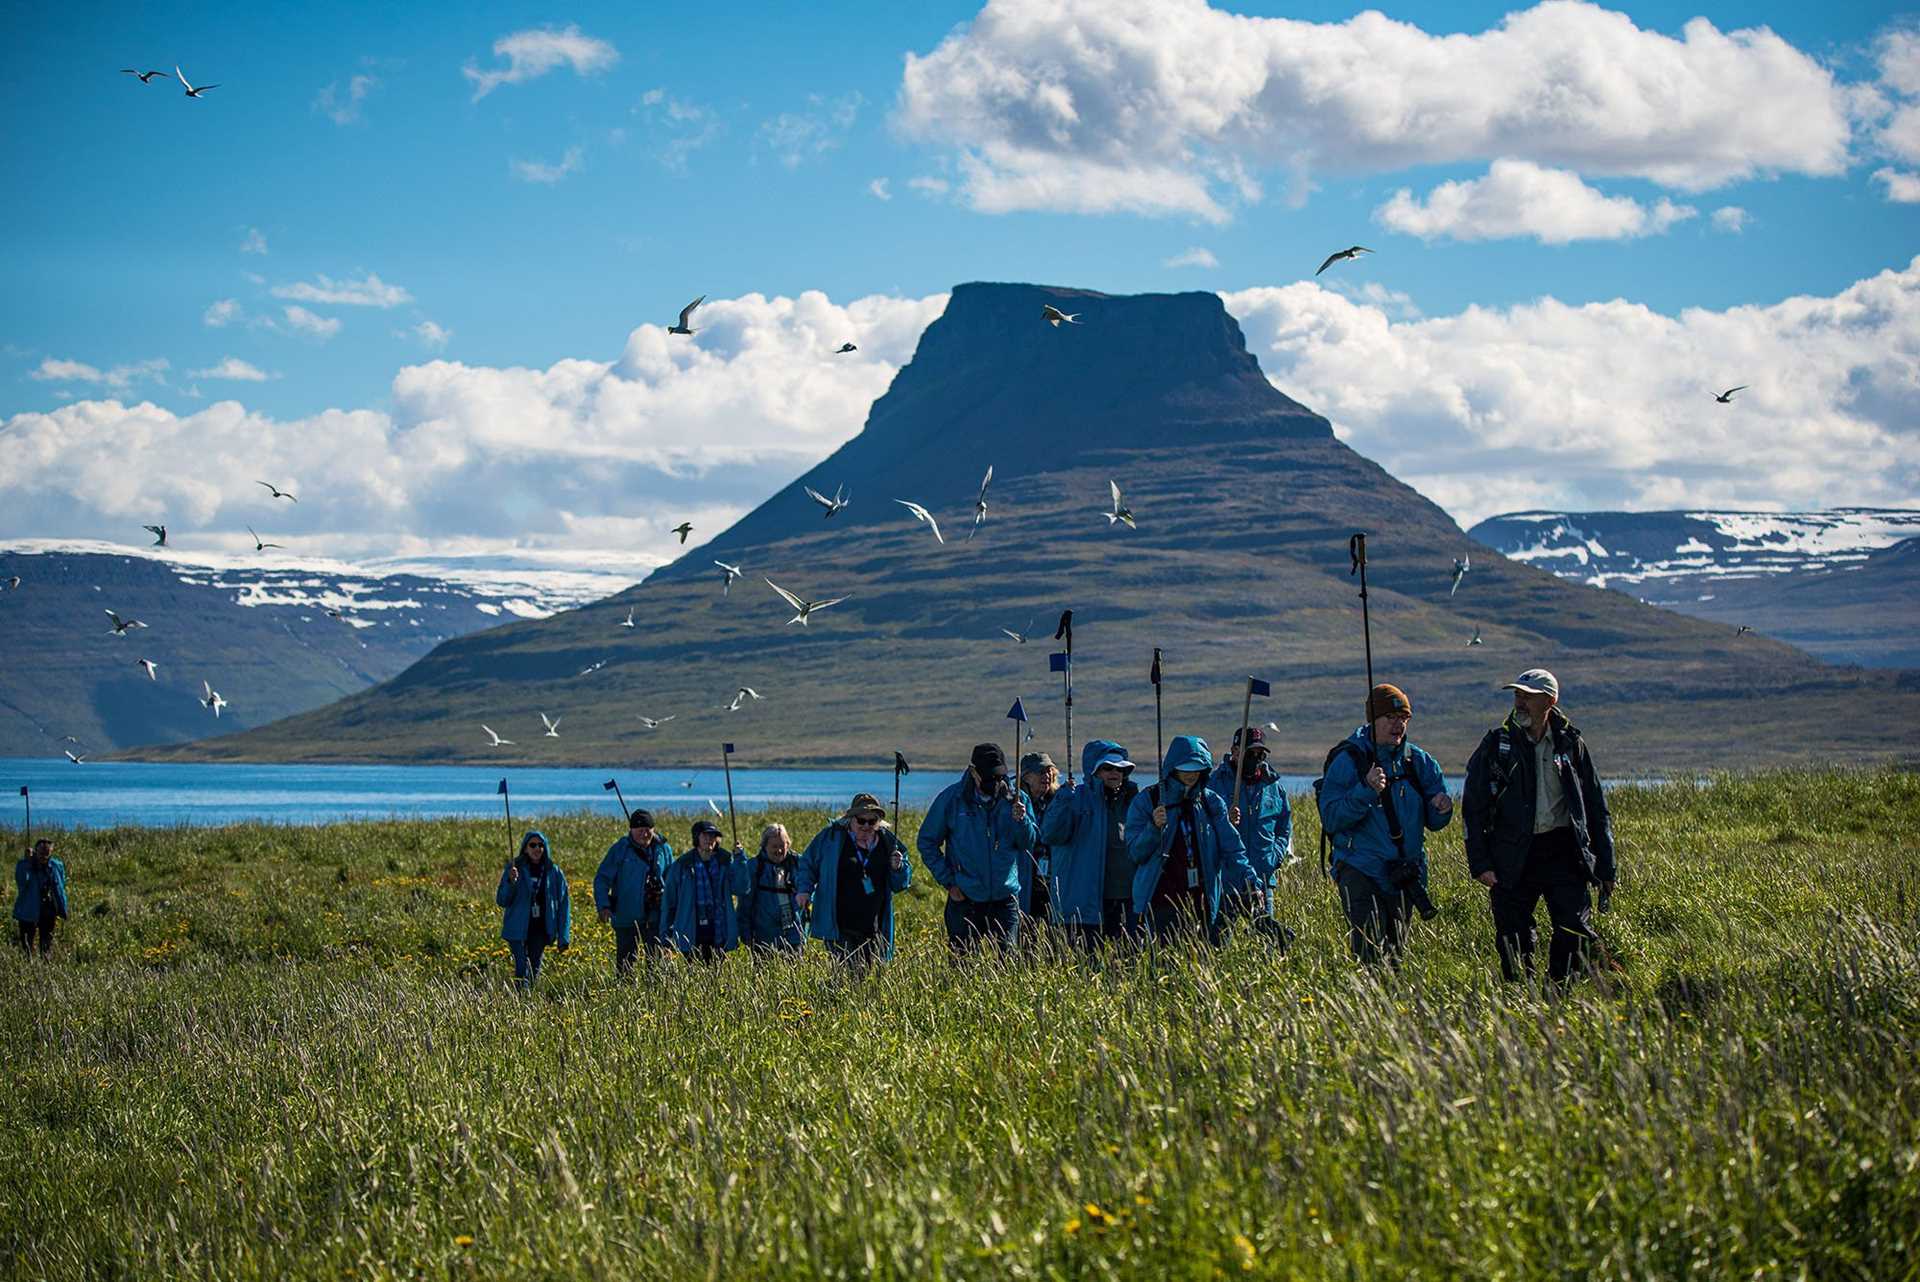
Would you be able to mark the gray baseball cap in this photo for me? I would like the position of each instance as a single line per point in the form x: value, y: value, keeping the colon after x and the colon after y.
x: 1535, y: 681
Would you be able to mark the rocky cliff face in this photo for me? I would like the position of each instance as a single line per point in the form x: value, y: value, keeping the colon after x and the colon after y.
x: 1244, y: 502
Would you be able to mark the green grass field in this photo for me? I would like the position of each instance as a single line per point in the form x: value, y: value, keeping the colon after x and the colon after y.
x: 288, y: 1052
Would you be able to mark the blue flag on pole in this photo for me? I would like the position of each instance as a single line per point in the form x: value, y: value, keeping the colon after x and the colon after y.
x: 1057, y: 661
x: 1018, y: 712
x: 502, y: 789
x: 1256, y: 686
x: 726, y: 749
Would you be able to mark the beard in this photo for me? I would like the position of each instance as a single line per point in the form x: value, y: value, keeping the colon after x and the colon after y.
x: 1523, y: 719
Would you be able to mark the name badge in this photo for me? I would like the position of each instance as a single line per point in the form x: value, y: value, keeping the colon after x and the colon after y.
x: 866, y: 883
x: 1193, y: 878
x: 1046, y: 867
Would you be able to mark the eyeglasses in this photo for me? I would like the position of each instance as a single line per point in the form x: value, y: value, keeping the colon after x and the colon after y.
x: 536, y: 845
x: 866, y: 821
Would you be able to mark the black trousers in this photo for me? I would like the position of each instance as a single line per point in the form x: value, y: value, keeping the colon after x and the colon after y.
x: 42, y: 929
x: 971, y: 922
x: 1172, y: 920
x: 1376, y: 919
x: 1553, y: 872
x: 859, y: 953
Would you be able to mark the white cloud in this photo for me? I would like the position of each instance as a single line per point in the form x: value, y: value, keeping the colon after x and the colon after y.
x: 255, y: 242
x: 1608, y: 405
x: 1519, y: 198
x: 1899, y: 60
x: 368, y: 291
x: 1731, y: 218
x: 680, y: 127
x: 1903, y: 188
x: 342, y: 106
x: 795, y: 136
x: 927, y: 185
x: 58, y: 370
x: 222, y: 313
x: 302, y: 321
x: 1173, y: 106
x: 535, y: 171
x: 879, y: 189
x: 234, y: 369
x: 1194, y: 257
x: 432, y: 335
x: 533, y: 53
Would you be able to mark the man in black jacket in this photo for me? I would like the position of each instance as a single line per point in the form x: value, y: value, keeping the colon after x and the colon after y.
x: 1537, y: 828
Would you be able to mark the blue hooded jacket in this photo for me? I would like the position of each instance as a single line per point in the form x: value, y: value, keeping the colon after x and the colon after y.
x: 1223, y: 859
x: 819, y: 877
x: 974, y: 844
x: 759, y: 906
x: 1266, y: 823
x: 1355, y: 820
x: 29, y: 886
x: 517, y: 898
x: 1075, y: 828
x: 621, y: 883
x: 679, y: 902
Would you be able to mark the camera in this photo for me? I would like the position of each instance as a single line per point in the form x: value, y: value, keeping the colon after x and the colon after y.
x: 1405, y: 876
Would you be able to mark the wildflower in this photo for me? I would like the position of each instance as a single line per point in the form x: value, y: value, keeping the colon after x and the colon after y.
x: 1247, y: 1253
x: 1071, y: 1227
x: 463, y: 1239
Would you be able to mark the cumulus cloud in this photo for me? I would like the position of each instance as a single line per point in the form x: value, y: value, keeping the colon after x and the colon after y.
x: 235, y: 370
x: 1174, y: 106
x: 1607, y: 405
x: 580, y: 454
x: 1902, y: 187
x: 368, y: 291
x: 222, y: 313
x: 342, y: 105
x: 255, y: 242
x: 879, y: 190
x: 432, y: 335
x: 302, y: 321
x: 1519, y: 198
x: 532, y: 54
x: 535, y: 171
x: 1194, y: 257
x: 1731, y: 218
x: 60, y: 370
x: 795, y: 136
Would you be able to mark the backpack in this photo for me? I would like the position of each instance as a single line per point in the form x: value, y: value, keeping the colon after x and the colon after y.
x: 1361, y: 760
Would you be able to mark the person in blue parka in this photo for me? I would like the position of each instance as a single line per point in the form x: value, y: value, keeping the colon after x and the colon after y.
x: 847, y: 879
x: 1040, y: 784
x: 1185, y: 849
x: 538, y: 912
x: 768, y: 911
x: 697, y: 909
x: 1265, y: 827
x: 628, y: 887
x: 1084, y: 829
x: 39, y: 896
x: 1379, y: 883
x: 971, y: 841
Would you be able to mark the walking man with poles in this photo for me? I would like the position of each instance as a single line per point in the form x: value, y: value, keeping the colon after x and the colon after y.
x: 972, y: 840
x: 627, y: 889
x: 1537, y: 828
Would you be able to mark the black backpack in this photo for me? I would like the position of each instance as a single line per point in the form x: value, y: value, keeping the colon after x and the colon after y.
x: 1361, y: 760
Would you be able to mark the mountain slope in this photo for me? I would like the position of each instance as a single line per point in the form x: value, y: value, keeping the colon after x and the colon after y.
x: 1244, y: 501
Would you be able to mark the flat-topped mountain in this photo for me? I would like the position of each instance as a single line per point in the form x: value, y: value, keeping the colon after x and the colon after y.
x: 1244, y: 502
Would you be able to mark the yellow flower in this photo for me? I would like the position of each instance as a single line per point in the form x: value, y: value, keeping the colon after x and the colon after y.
x: 1072, y: 1226
x: 463, y: 1240
x: 1247, y: 1253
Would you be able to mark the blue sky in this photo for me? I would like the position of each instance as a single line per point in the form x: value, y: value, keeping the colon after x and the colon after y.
x: 734, y: 150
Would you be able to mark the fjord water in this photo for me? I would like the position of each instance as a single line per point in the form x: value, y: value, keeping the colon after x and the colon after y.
x: 166, y: 794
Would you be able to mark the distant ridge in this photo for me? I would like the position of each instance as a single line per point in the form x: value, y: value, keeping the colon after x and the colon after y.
x: 1245, y: 502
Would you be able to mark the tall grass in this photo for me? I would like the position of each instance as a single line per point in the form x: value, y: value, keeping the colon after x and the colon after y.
x: 293, y: 1052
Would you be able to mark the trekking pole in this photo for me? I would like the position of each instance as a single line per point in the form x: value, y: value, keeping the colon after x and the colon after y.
x: 1159, y: 749
x: 613, y: 786
x: 726, y: 764
x: 507, y: 801
x: 1066, y: 666
x: 1254, y: 686
x: 27, y: 797
x: 1357, y: 550
x: 900, y: 767
x: 1018, y: 715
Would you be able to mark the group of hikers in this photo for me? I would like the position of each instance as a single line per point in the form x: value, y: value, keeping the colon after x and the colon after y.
x: 1102, y: 863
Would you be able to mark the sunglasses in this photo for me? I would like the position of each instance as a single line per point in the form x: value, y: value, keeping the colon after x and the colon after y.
x: 865, y: 822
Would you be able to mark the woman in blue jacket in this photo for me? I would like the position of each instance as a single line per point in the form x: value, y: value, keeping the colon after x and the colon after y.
x: 1184, y: 846
x: 39, y: 896
x: 769, y: 915
x: 533, y: 891
x: 697, y: 906
x: 846, y: 882
x: 1265, y: 827
x: 1091, y: 887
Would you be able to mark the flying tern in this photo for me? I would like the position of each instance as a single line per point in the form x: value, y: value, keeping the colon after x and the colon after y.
x: 1055, y: 317
x: 150, y: 668
x: 258, y: 546
x: 922, y: 514
x: 191, y: 91
x: 980, y: 504
x: 498, y: 742
x: 804, y: 607
x: 834, y: 504
x: 685, y: 313
x: 1121, y: 512
x: 146, y: 77
x: 628, y: 621
x: 1460, y: 567
x: 1352, y: 252
x: 730, y: 573
x: 553, y: 726
x: 159, y: 533
x: 278, y: 493
x: 844, y: 348
x: 1726, y: 397
x: 210, y: 697
x: 121, y: 626
x: 744, y: 692
x: 654, y: 723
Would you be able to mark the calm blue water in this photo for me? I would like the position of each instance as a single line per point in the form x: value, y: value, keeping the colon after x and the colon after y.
x: 99, y: 795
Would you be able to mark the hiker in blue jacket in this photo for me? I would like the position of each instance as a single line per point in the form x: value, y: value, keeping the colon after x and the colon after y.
x: 627, y: 889
x: 697, y: 902
x: 39, y: 896
x: 971, y: 841
x: 1185, y: 849
x: 533, y: 891
x: 1084, y: 829
x: 846, y: 882
x: 769, y: 916
x: 1379, y: 884
x: 1040, y: 785
x: 1265, y: 827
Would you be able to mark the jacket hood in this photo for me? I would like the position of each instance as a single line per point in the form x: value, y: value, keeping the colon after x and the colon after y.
x: 1362, y: 739
x: 1187, y: 752
x: 531, y: 834
x: 1098, y: 752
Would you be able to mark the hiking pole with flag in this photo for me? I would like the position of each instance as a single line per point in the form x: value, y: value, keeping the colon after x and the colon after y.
x: 900, y: 767
x: 1062, y: 662
x: 613, y: 786
x: 507, y: 801
x: 27, y: 798
x: 1159, y: 749
x: 1254, y: 686
x: 726, y: 764
x: 1018, y: 715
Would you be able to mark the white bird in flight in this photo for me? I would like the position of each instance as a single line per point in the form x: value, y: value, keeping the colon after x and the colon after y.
x: 745, y: 692
x: 1351, y: 252
x: 730, y: 573
x: 553, y: 727
x: 1121, y: 512
x: 654, y: 723
x: 834, y: 504
x: 146, y: 77
x: 191, y: 91
x: 211, y: 698
x: 1020, y: 636
x: 715, y: 807
x: 278, y: 493
x: 1055, y: 317
x: 1476, y: 638
x: 159, y: 533
x: 980, y: 504
x: 922, y: 514
x: 122, y: 626
x: 685, y: 313
x: 804, y: 607
x: 497, y: 740
x: 628, y: 621
x: 1460, y: 567
x: 70, y: 757
x: 591, y: 668
x: 150, y: 667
